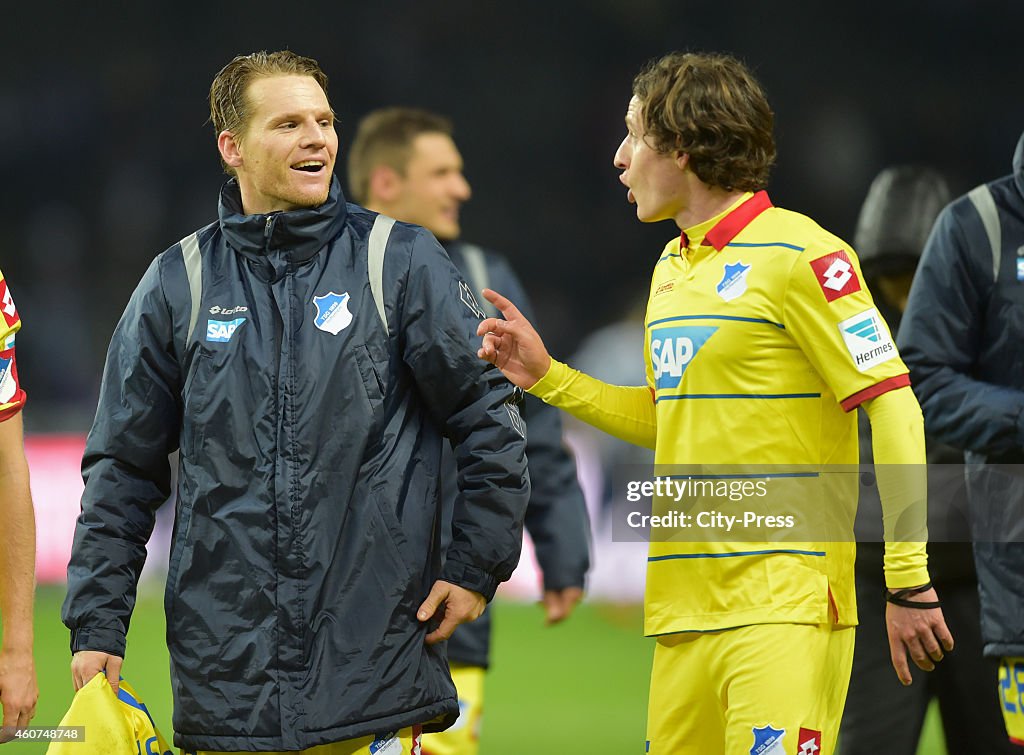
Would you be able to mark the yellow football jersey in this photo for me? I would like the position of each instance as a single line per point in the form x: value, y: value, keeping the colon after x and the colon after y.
x: 760, y: 339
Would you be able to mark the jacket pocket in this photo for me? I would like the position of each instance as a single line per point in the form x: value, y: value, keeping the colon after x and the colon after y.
x: 373, y: 381
x: 193, y: 397
x: 179, y: 540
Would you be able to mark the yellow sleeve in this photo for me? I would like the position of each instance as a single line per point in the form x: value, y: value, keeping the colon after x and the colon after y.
x: 627, y: 412
x: 897, y: 431
x: 832, y: 317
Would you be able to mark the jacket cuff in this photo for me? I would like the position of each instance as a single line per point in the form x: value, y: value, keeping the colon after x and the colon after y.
x: 470, y: 577
x: 110, y: 641
x: 561, y: 582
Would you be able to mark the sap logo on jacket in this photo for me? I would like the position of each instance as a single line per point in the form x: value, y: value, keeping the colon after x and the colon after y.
x: 221, y: 331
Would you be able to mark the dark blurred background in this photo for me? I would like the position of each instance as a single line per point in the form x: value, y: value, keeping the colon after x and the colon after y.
x: 107, y: 158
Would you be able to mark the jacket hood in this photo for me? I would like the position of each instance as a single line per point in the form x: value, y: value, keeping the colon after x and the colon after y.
x: 897, y: 216
x: 1018, y: 165
x: 300, y: 234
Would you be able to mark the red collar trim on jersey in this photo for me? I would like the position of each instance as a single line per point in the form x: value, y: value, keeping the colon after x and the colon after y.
x: 729, y: 227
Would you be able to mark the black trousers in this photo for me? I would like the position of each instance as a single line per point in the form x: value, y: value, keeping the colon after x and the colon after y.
x: 882, y: 717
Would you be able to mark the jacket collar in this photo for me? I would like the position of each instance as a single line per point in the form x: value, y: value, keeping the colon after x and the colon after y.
x: 298, y: 234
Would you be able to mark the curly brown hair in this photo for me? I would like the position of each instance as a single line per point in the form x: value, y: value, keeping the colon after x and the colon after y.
x: 229, y: 105
x: 713, y: 109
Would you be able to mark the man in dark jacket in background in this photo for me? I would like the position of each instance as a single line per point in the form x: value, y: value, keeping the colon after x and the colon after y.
x: 882, y: 715
x: 305, y: 356
x: 963, y: 339
x: 404, y: 163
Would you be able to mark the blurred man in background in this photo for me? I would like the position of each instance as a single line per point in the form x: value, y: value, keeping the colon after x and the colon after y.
x: 404, y: 163
x: 18, y: 690
x: 301, y: 353
x: 880, y: 714
x: 761, y: 341
x: 963, y: 339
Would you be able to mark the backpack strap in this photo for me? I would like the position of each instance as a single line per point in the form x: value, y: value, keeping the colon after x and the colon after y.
x: 375, y: 248
x: 194, y: 271
x: 981, y: 198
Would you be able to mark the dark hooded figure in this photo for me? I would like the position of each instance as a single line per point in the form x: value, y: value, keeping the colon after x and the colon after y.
x: 881, y: 715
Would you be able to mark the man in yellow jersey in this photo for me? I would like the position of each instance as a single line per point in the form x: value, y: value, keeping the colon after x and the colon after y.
x: 760, y: 341
x: 18, y: 690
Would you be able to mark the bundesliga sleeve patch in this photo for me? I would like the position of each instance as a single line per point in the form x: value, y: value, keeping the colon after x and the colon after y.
x: 867, y: 339
x: 835, y: 275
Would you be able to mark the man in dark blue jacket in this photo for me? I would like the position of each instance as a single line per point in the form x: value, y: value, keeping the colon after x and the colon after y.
x: 404, y: 163
x: 963, y: 338
x: 882, y: 715
x: 305, y: 357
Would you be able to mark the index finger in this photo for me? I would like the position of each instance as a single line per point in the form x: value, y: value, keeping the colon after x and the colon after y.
x: 507, y: 308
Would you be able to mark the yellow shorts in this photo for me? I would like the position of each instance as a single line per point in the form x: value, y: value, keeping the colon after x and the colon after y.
x: 765, y: 689
x: 406, y: 742
x: 463, y: 738
x: 1011, y: 695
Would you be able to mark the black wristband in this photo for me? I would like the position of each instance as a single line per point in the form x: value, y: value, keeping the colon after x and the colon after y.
x: 899, y: 598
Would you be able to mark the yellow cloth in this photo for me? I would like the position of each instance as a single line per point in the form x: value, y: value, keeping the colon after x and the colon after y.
x: 463, y: 738
x: 1011, y: 697
x: 113, y: 725
x: 768, y: 688
x: 760, y: 343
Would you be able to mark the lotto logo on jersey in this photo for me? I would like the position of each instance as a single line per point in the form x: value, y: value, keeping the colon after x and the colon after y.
x: 672, y: 351
x: 867, y: 339
x: 220, y: 331
x: 7, y: 305
x: 835, y: 275
x: 808, y: 742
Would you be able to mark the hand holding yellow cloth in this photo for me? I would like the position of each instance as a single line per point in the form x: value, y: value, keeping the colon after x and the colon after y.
x: 114, y: 725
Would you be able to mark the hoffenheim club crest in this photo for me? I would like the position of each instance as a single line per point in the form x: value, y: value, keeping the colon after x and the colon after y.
x: 768, y: 741
x: 332, y: 314
x: 734, y: 282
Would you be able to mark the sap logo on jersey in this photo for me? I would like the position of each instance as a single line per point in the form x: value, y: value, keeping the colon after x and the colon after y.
x: 672, y: 350
x: 768, y: 741
x: 221, y: 331
x: 867, y: 339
